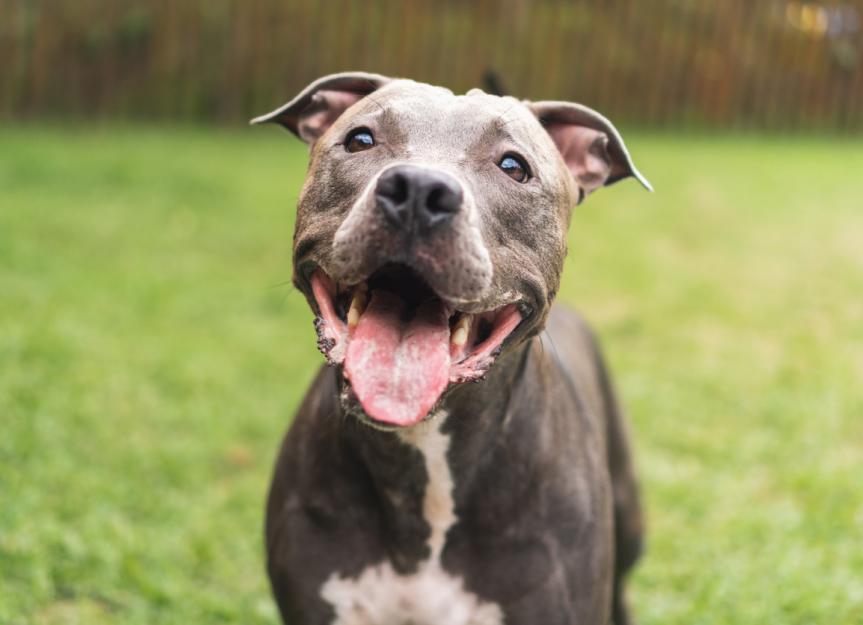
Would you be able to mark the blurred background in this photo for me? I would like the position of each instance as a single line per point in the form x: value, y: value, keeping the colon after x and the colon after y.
x: 771, y: 64
x: 152, y: 349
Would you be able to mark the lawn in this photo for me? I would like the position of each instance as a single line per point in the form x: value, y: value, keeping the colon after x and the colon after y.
x: 152, y: 352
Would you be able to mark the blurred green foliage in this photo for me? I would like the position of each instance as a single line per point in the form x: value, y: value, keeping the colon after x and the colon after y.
x: 152, y: 352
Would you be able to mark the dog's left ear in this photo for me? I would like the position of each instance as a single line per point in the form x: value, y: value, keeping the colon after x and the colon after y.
x: 591, y: 147
x: 319, y: 105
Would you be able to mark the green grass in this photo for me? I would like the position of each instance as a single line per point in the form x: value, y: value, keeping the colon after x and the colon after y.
x: 151, y: 354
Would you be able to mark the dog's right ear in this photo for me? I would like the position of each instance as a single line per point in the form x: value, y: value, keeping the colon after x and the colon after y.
x: 319, y: 105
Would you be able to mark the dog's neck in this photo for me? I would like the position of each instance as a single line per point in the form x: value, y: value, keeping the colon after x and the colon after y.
x: 416, y: 484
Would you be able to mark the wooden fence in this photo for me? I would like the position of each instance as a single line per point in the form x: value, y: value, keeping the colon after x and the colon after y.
x: 771, y: 64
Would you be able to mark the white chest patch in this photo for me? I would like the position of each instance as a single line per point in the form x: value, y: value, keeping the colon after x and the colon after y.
x: 430, y: 596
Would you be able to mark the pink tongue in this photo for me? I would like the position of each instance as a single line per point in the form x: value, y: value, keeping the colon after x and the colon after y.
x: 398, y: 369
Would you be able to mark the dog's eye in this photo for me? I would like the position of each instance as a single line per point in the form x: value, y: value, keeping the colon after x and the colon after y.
x: 514, y: 167
x: 359, y: 140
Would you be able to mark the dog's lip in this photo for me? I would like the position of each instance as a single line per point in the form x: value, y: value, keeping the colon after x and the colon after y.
x: 475, y: 339
x: 303, y: 279
x: 454, y: 306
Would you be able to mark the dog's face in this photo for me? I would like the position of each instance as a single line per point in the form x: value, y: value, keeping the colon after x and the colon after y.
x: 431, y: 230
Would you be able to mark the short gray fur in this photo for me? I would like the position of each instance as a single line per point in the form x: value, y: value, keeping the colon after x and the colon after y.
x: 548, y: 517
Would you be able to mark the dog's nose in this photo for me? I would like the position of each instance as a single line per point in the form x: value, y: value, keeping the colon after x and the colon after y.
x: 411, y: 196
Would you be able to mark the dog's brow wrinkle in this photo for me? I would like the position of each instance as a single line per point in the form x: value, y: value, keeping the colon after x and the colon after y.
x: 371, y: 98
x: 507, y: 122
x: 501, y: 119
x: 508, y: 109
x: 386, y: 114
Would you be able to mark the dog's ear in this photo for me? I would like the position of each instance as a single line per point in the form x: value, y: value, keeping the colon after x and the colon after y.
x: 319, y: 105
x: 590, y: 145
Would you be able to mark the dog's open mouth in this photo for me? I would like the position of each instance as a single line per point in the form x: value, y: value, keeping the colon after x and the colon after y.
x: 401, y: 344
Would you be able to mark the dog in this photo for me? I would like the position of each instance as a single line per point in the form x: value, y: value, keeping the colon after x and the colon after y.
x: 463, y: 461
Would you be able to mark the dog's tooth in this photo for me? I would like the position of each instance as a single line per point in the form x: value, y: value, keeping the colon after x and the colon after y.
x: 459, y: 337
x: 358, y: 306
x: 353, y: 317
x: 460, y: 331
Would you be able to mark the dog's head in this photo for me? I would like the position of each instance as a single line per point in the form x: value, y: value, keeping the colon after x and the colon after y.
x: 431, y: 230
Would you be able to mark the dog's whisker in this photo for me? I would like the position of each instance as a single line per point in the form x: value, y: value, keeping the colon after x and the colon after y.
x: 278, y: 285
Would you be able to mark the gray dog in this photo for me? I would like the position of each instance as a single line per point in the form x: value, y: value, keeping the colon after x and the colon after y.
x: 430, y: 239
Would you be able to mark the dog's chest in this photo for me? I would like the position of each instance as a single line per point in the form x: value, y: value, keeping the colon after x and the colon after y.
x: 380, y: 596
x: 429, y: 596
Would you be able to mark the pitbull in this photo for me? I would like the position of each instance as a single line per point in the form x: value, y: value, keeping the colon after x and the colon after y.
x: 463, y: 461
